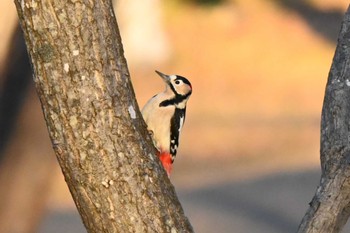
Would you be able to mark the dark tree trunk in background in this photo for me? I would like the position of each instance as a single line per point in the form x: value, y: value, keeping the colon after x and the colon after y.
x: 98, y: 134
x: 23, y: 197
x: 330, y: 208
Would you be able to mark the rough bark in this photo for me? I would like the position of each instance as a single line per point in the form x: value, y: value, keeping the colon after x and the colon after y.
x: 94, y: 123
x: 330, y: 207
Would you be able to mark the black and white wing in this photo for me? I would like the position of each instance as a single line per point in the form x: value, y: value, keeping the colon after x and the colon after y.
x: 176, y: 123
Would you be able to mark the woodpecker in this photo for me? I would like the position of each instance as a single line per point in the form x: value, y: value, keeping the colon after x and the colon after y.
x: 165, y: 114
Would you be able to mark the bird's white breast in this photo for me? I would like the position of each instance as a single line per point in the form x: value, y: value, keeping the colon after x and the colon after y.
x: 158, y: 121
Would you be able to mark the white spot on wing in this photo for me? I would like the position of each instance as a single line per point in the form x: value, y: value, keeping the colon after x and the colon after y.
x: 132, y: 112
x: 181, y: 123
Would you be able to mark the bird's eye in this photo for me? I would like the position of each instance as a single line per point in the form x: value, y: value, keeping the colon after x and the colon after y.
x: 177, y: 82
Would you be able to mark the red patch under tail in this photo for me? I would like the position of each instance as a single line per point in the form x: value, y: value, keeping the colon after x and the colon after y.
x: 165, y: 157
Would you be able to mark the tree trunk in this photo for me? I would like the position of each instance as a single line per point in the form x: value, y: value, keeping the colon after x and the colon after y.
x: 330, y: 208
x: 95, y: 125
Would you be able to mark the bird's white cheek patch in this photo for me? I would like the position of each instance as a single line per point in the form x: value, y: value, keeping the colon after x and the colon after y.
x: 132, y: 112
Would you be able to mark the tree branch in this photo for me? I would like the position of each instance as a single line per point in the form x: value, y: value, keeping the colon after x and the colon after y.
x: 330, y: 207
x: 95, y: 125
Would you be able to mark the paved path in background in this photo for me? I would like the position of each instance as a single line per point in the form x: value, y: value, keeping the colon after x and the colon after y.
x: 271, y: 204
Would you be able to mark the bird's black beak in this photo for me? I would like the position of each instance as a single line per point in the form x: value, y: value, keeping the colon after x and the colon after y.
x: 165, y: 77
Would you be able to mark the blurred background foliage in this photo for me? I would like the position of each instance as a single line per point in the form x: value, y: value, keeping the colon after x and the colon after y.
x: 249, y: 154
